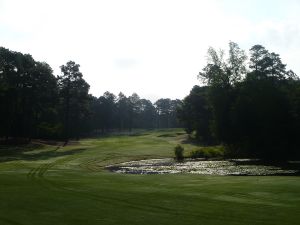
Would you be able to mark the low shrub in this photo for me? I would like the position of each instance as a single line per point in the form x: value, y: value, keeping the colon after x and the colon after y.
x: 178, y: 150
x: 208, y: 152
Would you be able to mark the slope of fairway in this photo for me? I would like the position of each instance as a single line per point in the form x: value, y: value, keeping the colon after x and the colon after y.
x: 50, y: 185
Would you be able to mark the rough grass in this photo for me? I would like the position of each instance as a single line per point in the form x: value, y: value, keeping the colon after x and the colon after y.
x: 50, y: 185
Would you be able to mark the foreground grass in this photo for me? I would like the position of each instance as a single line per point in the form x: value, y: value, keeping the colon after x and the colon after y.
x: 68, y: 185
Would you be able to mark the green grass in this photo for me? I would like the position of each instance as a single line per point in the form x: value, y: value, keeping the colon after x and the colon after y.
x: 46, y: 185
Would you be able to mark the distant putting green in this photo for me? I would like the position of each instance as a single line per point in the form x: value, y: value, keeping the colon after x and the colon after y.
x: 69, y: 186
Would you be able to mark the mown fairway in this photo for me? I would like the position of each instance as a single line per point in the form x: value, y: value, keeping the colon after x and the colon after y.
x: 70, y: 186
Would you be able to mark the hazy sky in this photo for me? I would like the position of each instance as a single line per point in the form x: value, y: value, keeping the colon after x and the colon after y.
x: 154, y: 48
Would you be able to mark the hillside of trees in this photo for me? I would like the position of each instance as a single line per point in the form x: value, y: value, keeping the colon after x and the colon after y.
x: 250, y: 106
x: 34, y: 103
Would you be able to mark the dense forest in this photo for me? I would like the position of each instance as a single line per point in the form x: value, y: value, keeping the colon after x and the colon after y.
x: 253, y: 110
x: 34, y: 103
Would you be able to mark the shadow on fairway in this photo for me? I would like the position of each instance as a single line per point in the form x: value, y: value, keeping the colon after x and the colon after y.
x: 26, y: 152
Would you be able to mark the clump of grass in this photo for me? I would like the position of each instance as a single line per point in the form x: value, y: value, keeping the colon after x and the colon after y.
x: 178, y: 150
x: 208, y: 152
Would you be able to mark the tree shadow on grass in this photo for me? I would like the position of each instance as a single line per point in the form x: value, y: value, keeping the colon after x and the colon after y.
x: 24, y: 152
x: 194, y: 142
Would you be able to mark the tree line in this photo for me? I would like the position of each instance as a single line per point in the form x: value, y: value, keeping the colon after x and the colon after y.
x: 253, y: 110
x: 34, y: 103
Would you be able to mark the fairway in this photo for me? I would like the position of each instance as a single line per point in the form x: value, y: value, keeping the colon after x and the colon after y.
x: 70, y: 186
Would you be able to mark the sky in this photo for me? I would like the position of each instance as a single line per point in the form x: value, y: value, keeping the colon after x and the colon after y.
x: 154, y: 48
